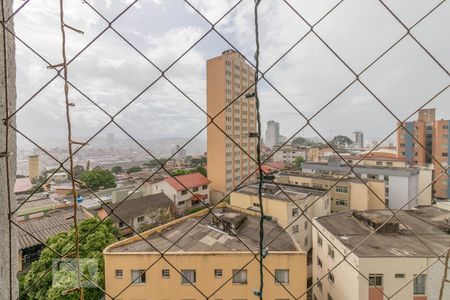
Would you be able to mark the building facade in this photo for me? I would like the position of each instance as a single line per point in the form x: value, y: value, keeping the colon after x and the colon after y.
x: 427, y: 138
x: 209, y: 261
x: 272, y: 134
x: 229, y: 80
x: 401, y: 183
x: 394, y: 261
x: 284, y: 204
x: 288, y: 153
x: 358, y: 139
x: 348, y: 193
x: 34, y: 167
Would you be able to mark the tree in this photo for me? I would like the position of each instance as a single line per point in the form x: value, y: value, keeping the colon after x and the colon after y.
x: 77, y: 171
x: 298, y: 161
x: 117, y: 169
x: 98, y: 178
x: 181, y: 172
x: 134, y: 169
x: 197, y: 161
x: 341, y: 141
x: 201, y: 170
x: 38, y: 282
x: 159, y: 217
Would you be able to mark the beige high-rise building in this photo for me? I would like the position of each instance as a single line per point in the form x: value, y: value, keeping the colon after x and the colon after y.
x: 34, y: 168
x: 228, y: 78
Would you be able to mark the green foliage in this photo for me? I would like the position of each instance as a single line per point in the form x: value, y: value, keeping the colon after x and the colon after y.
x: 194, y: 210
x: 38, y: 284
x: 201, y: 170
x: 98, y: 178
x: 181, y: 172
x: 154, y: 163
x: 77, y: 171
x: 298, y: 161
x: 134, y: 169
x: 117, y: 169
x: 299, y: 141
x: 198, y: 161
x: 159, y: 217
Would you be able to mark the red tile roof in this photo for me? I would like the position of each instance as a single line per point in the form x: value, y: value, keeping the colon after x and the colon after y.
x: 188, y: 181
x: 22, y: 185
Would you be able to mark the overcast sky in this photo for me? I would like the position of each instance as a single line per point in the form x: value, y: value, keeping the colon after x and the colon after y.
x: 112, y: 73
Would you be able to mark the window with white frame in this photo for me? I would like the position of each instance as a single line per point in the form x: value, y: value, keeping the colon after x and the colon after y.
x: 240, y: 276
x: 281, y: 276
x: 419, y: 284
x: 138, y: 276
x: 376, y: 280
x: 188, y: 276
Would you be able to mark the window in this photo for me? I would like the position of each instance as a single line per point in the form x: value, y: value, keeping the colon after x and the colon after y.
x: 166, y: 273
x: 399, y: 275
x: 140, y: 219
x: 138, y: 276
x: 389, y: 164
x: 319, y: 284
x: 342, y: 202
x: 217, y: 273
x: 379, y: 163
x: 281, y: 276
x: 181, y: 203
x: 118, y: 273
x: 341, y: 189
x: 204, y: 187
x: 330, y: 276
x: 330, y: 252
x: 184, y: 192
x: 445, y: 154
x: 445, y: 127
x: 240, y: 276
x: 319, y: 262
x: 121, y: 224
x: 376, y: 280
x: 306, y: 225
x: 294, y: 228
x: 319, y: 240
x: 188, y: 276
x: 295, y: 212
x: 306, y: 242
x: 195, y: 189
x: 419, y: 284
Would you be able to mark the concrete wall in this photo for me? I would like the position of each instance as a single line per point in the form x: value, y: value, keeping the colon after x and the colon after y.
x: 8, y: 282
x: 401, y: 190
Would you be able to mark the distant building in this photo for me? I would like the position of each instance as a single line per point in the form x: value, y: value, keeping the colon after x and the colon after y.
x: 358, y: 139
x: 431, y: 139
x: 34, y: 167
x: 186, y: 191
x: 212, y: 252
x: 181, y: 152
x: 348, y: 193
x: 136, y: 213
x: 401, y: 183
x: 272, y: 134
x: 228, y: 78
x: 400, y: 257
x: 288, y: 153
x: 43, y: 225
x: 284, y: 206
x: 110, y: 140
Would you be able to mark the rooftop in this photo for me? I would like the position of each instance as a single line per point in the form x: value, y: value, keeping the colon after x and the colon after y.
x: 325, y: 177
x: 337, y: 166
x: 208, y: 235
x: 49, y: 224
x: 427, y: 223
x: 22, y: 185
x: 187, y: 181
x: 135, y: 207
x: 271, y: 190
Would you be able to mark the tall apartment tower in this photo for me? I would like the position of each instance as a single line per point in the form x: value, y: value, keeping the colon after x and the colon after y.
x: 272, y: 134
x: 431, y: 136
x: 228, y: 78
x: 34, y: 168
x: 358, y: 139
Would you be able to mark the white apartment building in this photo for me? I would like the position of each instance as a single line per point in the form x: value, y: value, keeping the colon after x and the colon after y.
x: 288, y: 153
x: 272, y: 134
x: 393, y: 262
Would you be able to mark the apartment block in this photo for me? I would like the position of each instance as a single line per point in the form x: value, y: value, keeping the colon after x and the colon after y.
x: 394, y: 263
x: 272, y: 137
x: 34, y: 167
x: 347, y: 193
x: 284, y: 204
x: 288, y: 153
x: 401, y: 184
x: 429, y: 138
x: 229, y: 80
x: 210, y: 259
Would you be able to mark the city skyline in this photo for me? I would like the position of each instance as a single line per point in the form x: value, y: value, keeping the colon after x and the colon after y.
x: 297, y: 76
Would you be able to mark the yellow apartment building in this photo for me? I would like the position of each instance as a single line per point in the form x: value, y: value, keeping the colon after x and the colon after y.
x: 349, y: 193
x: 207, y: 256
x: 284, y: 205
x: 228, y: 77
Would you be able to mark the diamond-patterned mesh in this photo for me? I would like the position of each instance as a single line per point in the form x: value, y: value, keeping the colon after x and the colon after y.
x: 215, y: 24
